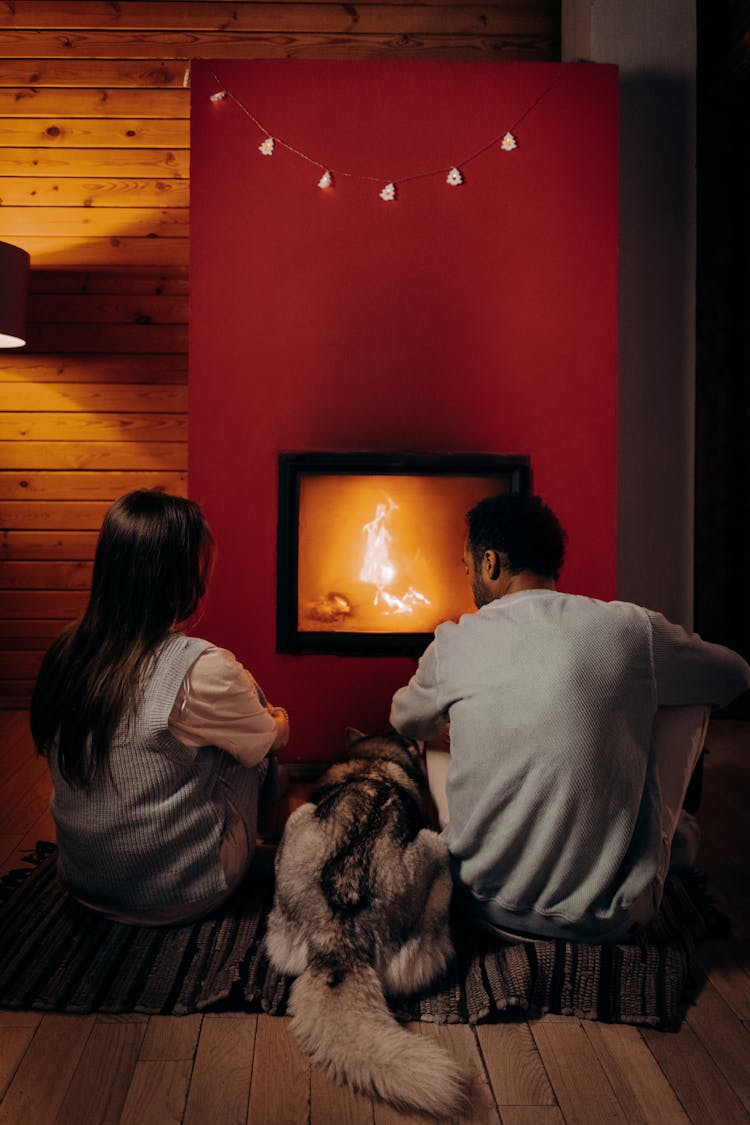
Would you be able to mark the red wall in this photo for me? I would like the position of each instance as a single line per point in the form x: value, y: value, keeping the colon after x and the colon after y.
x: 479, y: 317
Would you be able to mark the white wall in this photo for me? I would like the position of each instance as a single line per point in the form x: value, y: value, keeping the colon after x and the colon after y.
x: 654, y: 44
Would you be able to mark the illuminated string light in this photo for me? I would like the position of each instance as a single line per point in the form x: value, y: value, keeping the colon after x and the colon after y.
x: 453, y: 175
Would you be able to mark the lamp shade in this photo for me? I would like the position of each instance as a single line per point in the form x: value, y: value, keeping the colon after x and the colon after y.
x: 14, y: 286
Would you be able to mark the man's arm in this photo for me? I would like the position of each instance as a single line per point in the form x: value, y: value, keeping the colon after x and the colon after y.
x: 415, y: 712
x: 690, y: 670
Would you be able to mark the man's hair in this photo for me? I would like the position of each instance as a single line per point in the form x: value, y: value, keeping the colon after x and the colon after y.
x: 522, y: 528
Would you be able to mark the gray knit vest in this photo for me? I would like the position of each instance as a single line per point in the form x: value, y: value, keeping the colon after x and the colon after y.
x: 146, y: 833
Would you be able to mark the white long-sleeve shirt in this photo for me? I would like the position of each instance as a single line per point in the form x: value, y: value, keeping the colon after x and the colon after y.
x: 552, y: 800
x: 220, y: 704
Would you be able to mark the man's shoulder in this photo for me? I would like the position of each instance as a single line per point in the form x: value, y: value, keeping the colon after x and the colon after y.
x: 622, y: 608
x: 519, y: 608
x: 619, y: 615
x: 451, y: 633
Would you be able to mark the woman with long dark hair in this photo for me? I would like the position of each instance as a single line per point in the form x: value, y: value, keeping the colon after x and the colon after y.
x: 157, y: 741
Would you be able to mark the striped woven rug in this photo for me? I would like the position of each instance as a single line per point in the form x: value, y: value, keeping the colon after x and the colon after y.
x: 57, y: 956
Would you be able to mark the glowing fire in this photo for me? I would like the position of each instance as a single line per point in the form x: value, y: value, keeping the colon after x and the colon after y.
x: 378, y: 569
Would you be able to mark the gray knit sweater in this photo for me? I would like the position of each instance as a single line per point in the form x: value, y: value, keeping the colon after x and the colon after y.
x: 146, y: 833
x: 552, y: 791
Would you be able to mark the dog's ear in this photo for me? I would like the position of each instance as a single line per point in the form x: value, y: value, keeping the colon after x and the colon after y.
x: 353, y: 735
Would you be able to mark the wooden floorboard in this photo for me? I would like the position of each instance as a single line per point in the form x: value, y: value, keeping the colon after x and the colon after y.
x: 139, y: 1070
x: 102, y: 1079
x: 278, y: 1064
x: 220, y: 1082
x: 514, y: 1066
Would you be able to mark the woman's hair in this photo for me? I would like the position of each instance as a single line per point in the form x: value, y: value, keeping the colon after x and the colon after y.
x: 153, y: 559
x: 521, y: 527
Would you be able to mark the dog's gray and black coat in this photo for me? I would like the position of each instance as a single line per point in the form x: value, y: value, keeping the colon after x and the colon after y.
x: 362, y: 902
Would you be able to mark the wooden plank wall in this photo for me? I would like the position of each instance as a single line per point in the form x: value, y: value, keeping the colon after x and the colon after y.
x: 94, y: 183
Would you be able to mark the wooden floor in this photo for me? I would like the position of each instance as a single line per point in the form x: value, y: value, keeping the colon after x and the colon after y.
x: 86, y: 1070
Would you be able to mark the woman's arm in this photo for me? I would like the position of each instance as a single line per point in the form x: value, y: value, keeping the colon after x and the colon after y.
x: 220, y: 704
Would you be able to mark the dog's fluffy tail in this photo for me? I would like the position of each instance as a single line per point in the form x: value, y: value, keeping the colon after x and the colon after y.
x: 343, y: 1022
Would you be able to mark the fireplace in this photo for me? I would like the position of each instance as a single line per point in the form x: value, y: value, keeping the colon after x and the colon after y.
x: 370, y: 546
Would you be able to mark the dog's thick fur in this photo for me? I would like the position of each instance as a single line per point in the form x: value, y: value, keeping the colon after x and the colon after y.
x: 361, y: 909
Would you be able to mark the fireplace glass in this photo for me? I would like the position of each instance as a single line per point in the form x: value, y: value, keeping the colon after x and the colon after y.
x: 370, y: 546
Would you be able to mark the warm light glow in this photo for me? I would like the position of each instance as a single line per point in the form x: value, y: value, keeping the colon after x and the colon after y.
x: 378, y: 569
x: 383, y: 553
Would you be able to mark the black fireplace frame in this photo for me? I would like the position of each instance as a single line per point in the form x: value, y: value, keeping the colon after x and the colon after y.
x: 511, y: 469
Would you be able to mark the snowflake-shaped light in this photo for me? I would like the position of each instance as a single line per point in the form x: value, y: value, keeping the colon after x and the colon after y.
x: 388, y: 194
x: 454, y: 177
x: 266, y: 147
x: 326, y: 180
x: 218, y: 96
x: 508, y: 143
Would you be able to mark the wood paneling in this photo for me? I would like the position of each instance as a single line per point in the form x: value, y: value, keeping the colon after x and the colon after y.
x: 70, y: 191
x: 27, y: 545
x: 84, y: 485
x: 64, y: 73
x: 95, y: 132
x: 75, y: 426
x: 30, y: 101
x: 99, y: 398
x: 285, y: 43
x: 103, y: 338
x: 121, y: 454
x: 59, y: 251
x: 20, y: 368
x: 94, y: 160
x: 131, y: 163
x: 110, y: 308
x: 249, y: 15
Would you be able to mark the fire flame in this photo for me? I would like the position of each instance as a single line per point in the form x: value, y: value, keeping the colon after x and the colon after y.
x: 378, y: 569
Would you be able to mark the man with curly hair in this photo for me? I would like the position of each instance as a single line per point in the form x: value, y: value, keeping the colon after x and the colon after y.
x: 575, y: 725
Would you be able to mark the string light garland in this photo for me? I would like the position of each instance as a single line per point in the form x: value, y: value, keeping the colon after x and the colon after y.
x: 454, y: 176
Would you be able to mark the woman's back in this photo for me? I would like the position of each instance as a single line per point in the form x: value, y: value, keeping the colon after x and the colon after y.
x: 155, y: 824
x: 153, y: 789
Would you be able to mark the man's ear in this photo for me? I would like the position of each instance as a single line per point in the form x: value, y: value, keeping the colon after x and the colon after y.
x: 492, y: 564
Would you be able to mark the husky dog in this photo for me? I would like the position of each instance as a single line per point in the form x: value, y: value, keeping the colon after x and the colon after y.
x: 361, y: 909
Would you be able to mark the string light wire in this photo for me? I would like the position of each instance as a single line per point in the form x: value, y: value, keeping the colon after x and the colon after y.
x: 224, y: 93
